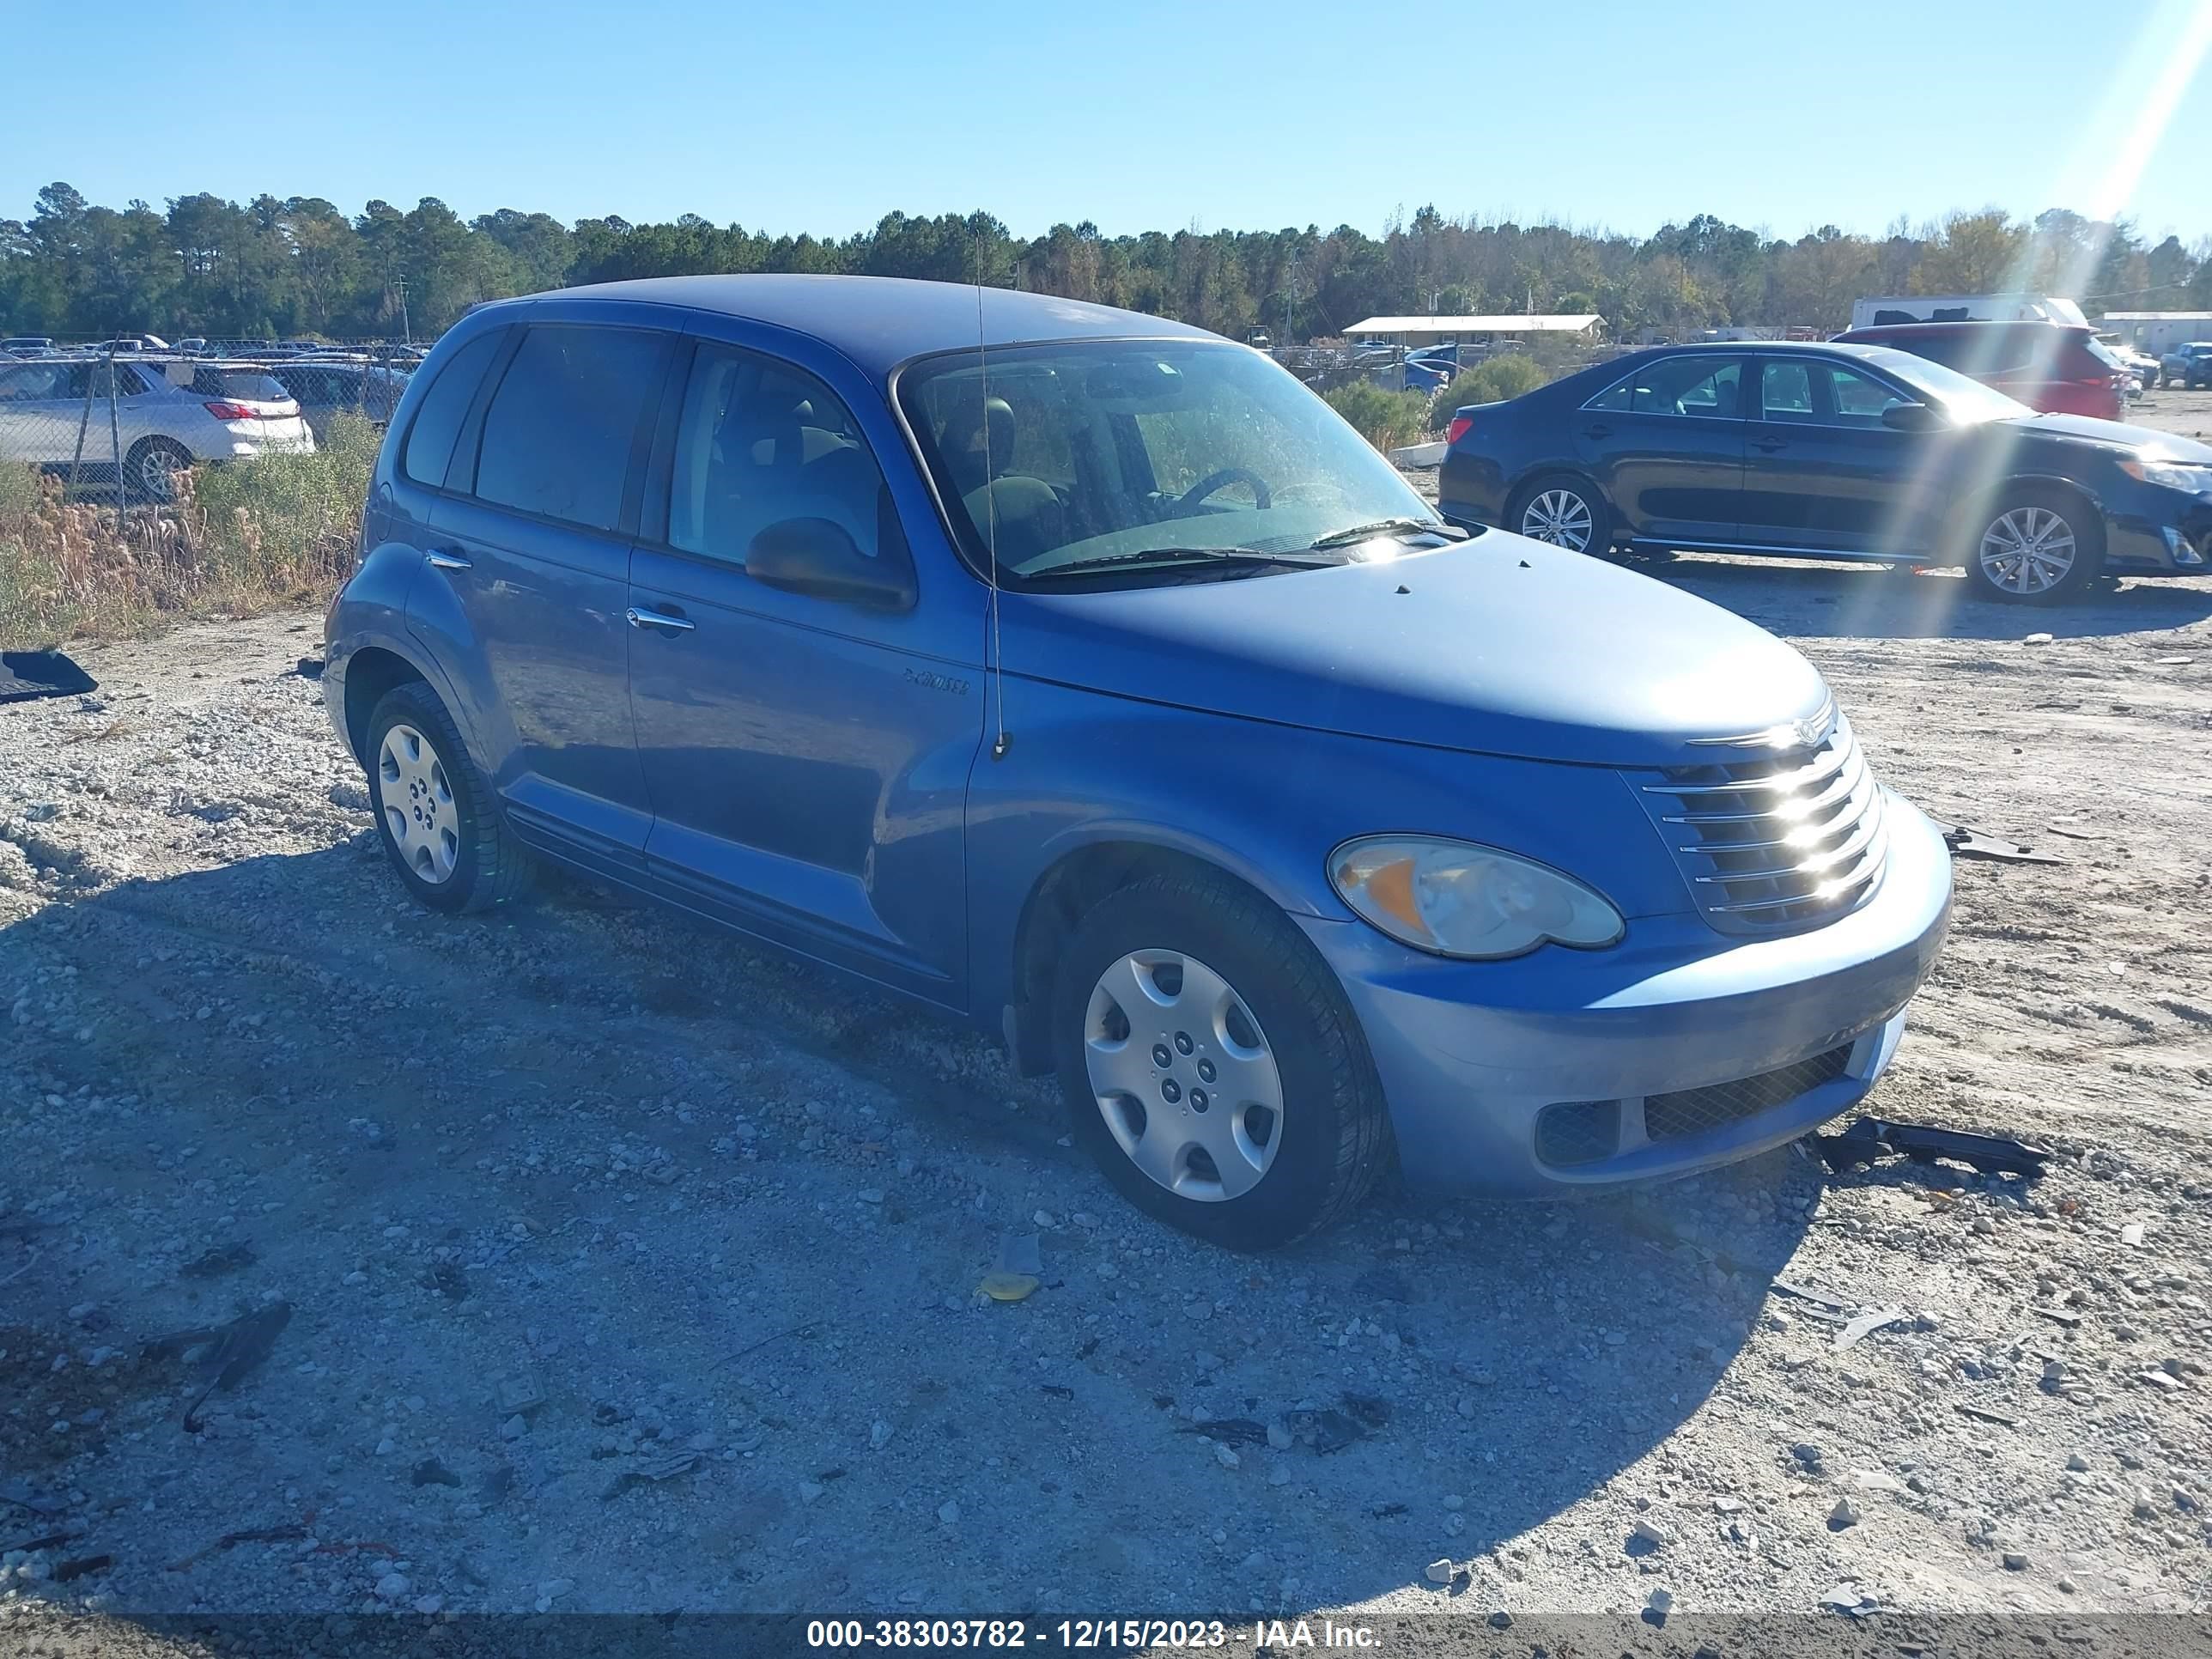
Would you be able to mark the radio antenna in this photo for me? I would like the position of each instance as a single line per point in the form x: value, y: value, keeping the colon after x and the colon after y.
x: 995, y: 670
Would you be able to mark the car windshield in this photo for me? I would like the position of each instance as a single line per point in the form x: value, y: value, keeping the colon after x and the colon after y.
x: 1125, y: 453
x: 1967, y: 401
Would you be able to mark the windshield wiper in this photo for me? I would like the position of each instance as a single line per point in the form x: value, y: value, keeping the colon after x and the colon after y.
x: 1364, y: 532
x: 1169, y: 558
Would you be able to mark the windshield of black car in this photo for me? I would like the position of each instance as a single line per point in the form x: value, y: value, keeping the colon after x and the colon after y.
x: 1110, y: 450
x: 1967, y: 401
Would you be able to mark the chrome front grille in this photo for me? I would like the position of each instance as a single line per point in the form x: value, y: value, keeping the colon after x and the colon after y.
x: 1786, y: 838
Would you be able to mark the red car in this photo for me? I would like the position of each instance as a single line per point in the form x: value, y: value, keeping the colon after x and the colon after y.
x: 2060, y: 368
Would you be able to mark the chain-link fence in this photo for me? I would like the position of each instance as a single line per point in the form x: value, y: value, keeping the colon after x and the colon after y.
x: 114, y: 422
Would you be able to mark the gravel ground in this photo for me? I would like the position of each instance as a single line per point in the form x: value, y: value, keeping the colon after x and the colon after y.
x: 628, y: 1271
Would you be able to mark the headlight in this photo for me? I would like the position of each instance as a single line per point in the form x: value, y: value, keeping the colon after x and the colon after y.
x: 2173, y: 475
x: 1456, y: 899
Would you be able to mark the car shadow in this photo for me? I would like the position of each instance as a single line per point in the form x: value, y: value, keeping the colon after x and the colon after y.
x: 1805, y: 599
x: 601, y: 1148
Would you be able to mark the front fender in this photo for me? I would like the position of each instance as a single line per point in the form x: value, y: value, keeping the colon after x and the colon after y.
x: 1267, y: 802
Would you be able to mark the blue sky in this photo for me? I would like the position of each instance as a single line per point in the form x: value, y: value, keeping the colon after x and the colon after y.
x: 1135, y: 114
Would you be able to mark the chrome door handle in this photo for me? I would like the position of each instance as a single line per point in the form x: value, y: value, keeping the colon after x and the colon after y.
x: 660, y: 619
x: 442, y: 560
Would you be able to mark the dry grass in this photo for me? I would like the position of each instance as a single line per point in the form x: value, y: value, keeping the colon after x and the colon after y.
x: 237, y: 539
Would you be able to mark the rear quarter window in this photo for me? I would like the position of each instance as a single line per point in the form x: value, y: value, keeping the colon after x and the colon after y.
x: 429, y: 448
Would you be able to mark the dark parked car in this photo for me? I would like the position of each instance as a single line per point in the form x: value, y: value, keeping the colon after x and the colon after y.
x: 324, y: 390
x: 2059, y: 368
x: 1832, y: 451
x: 1104, y: 689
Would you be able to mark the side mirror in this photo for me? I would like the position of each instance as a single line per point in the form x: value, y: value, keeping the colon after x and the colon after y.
x: 1912, y: 417
x: 816, y: 557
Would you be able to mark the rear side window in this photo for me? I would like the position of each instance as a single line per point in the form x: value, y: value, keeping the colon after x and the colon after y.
x: 1979, y: 352
x: 445, y: 406
x: 558, y: 434
x: 1678, y: 386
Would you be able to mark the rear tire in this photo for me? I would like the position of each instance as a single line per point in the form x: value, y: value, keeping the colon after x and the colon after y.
x: 435, y: 812
x: 2034, y: 546
x: 1563, y: 510
x: 1244, y: 1010
x: 149, y: 469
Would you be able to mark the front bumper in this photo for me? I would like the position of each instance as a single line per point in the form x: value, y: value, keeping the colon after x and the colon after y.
x: 2155, y: 530
x: 1469, y: 1054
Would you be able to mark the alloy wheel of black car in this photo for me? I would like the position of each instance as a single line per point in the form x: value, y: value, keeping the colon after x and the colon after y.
x: 1211, y: 1065
x: 1564, y: 511
x: 2035, y: 547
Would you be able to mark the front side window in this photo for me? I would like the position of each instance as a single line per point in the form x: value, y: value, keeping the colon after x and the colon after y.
x: 1110, y: 453
x: 1859, y: 399
x: 30, y: 385
x: 444, y: 407
x: 558, y: 432
x: 1677, y: 386
x: 1785, y: 391
x: 760, y: 442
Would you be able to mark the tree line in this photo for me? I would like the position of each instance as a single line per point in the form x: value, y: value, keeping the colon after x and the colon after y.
x: 298, y: 266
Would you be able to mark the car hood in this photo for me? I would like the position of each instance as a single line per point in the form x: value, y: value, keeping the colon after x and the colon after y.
x: 2147, y: 442
x: 1498, y: 646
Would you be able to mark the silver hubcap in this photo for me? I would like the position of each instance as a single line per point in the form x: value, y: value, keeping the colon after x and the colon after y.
x: 2029, y: 550
x: 419, y: 812
x: 1559, y: 517
x: 1183, y: 1075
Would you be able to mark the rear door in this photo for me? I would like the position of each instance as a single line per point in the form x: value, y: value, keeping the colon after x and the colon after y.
x: 528, y: 583
x: 1666, y: 444
x: 1822, y: 473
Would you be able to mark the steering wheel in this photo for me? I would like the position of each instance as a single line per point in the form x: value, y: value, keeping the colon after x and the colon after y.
x: 1214, y: 481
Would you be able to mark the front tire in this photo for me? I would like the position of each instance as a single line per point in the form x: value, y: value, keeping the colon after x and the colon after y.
x: 1211, y: 1065
x: 2035, y: 547
x: 1563, y: 510
x: 435, y: 812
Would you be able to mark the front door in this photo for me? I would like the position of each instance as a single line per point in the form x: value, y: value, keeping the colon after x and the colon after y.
x: 531, y: 537
x: 1823, y: 473
x: 1665, y: 444
x: 806, y: 755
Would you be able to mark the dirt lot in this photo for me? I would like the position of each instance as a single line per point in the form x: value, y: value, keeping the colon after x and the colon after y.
x: 628, y: 1271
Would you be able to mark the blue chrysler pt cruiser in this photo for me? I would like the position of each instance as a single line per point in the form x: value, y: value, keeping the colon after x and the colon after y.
x: 1083, y: 676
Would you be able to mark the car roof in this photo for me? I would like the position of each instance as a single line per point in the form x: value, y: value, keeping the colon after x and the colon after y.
x: 1918, y: 331
x: 1869, y: 352
x: 880, y: 322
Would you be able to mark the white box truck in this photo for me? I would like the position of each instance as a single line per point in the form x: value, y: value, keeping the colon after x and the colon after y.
x: 1965, y: 309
